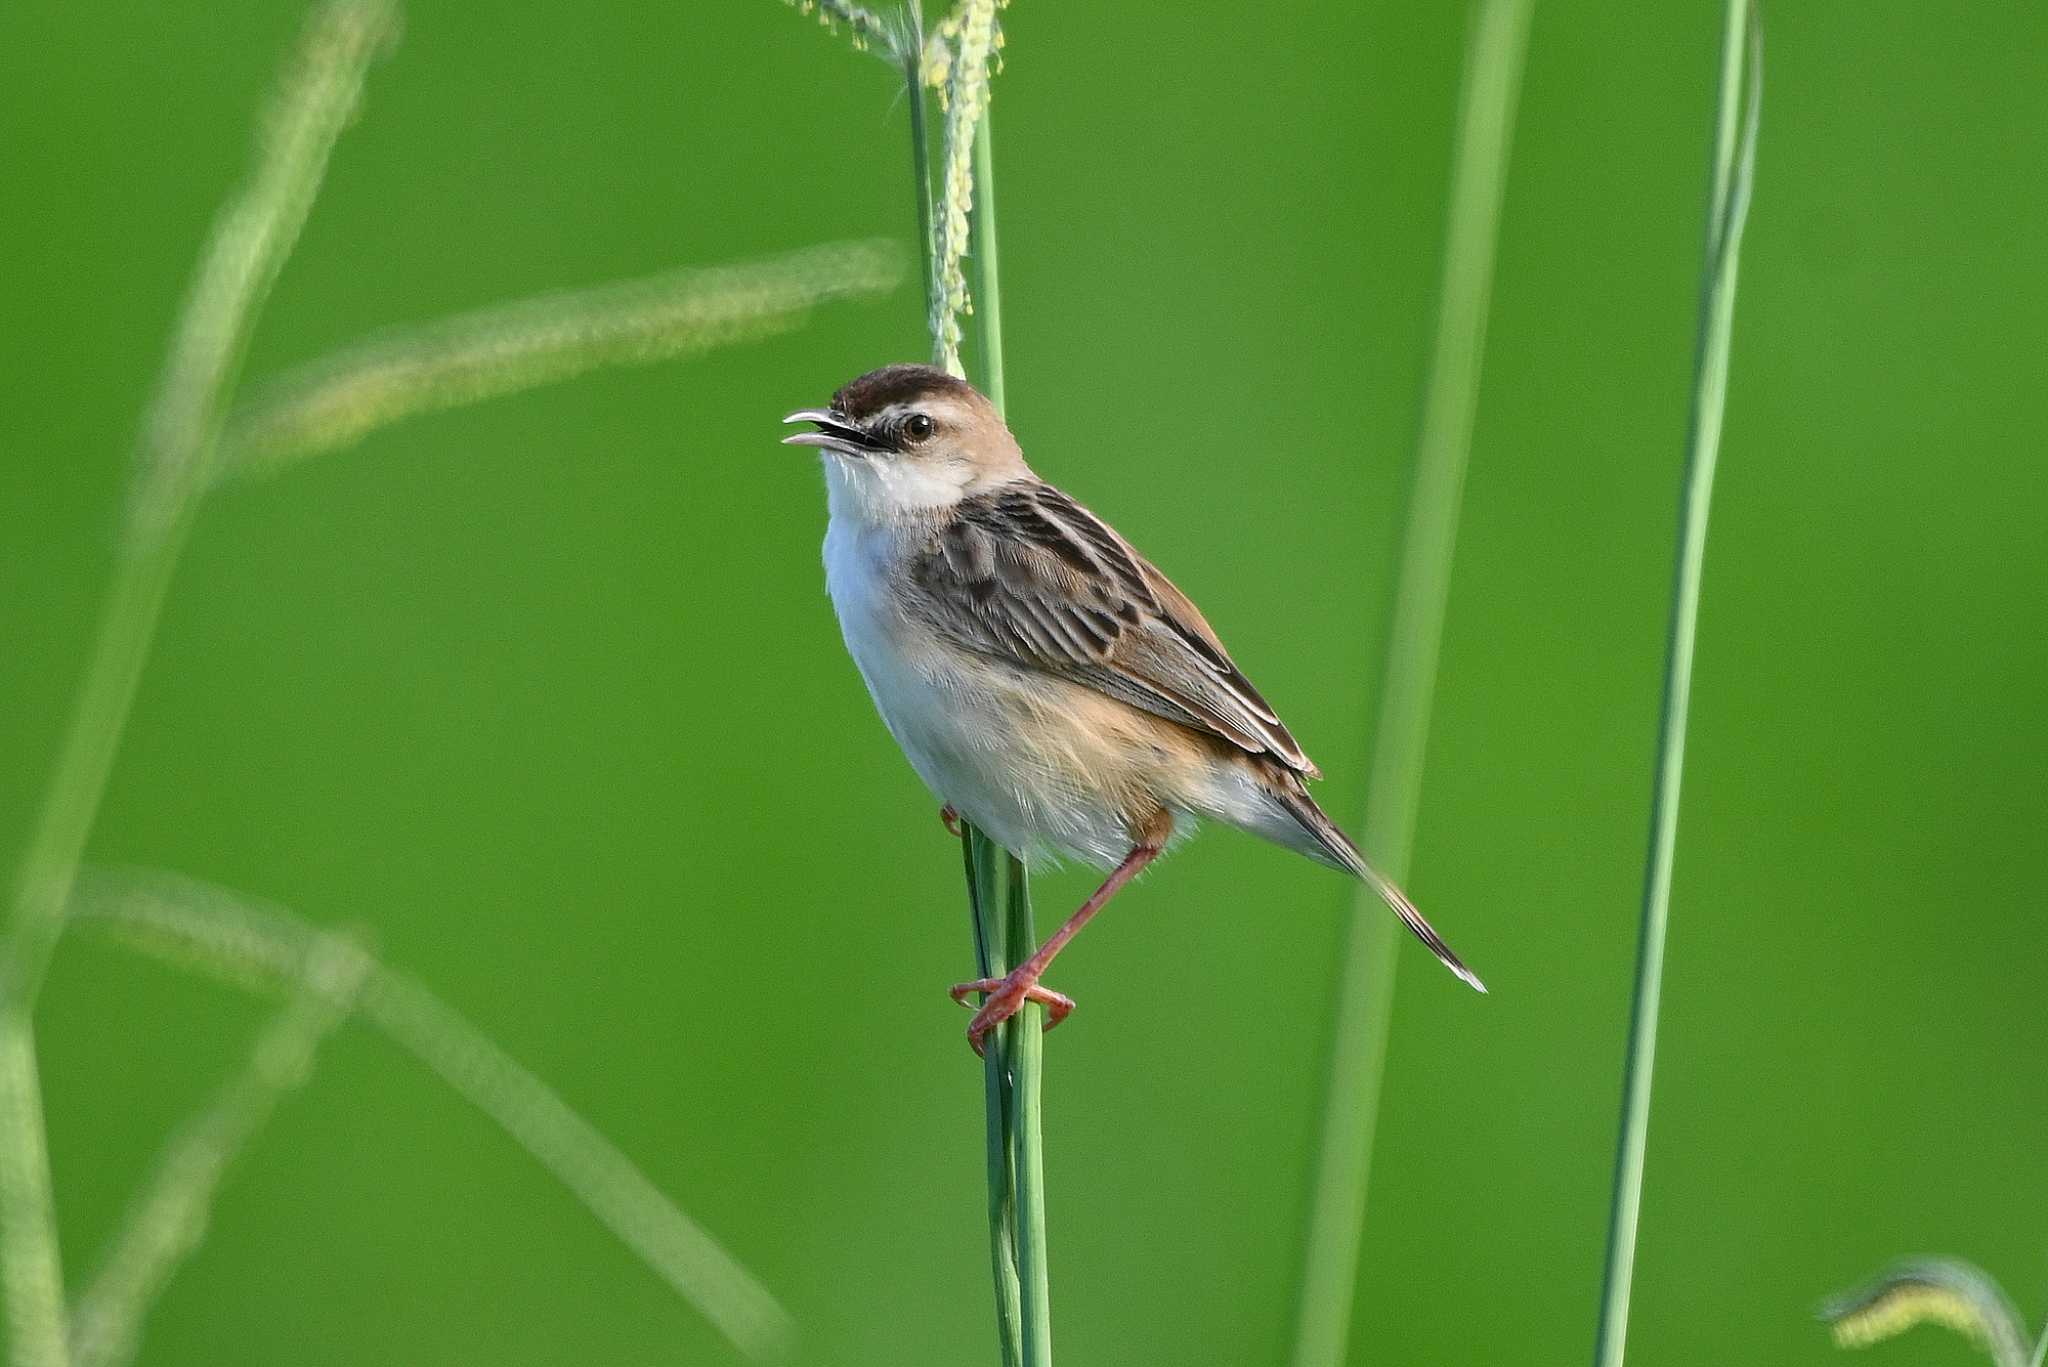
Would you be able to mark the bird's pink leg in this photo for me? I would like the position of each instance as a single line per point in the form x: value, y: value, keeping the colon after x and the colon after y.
x: 950, y: 819
x: 1006, y: 995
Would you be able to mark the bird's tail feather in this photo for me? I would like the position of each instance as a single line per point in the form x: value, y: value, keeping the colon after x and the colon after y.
x: 1337, y: 849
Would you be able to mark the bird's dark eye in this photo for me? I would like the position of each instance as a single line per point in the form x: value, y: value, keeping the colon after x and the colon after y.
x: 917, y: 427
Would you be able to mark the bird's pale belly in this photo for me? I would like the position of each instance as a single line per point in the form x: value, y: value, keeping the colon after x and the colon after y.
x: 976, y: 734
x: 986, y: 737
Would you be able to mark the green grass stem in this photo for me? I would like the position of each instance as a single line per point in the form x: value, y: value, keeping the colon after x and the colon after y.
x: 1024, y: 1056
x: 37, y: 1335
x: 988, y: 903
x: 1733, y: 169
x: 957, y: 230
x: 1364, y: 1001
x: 168, y: 1220
x: 246, y: 250
x: 261, y: 947
x: 921, y: 156
x: 1022, y: 1068
x: 988, y: 295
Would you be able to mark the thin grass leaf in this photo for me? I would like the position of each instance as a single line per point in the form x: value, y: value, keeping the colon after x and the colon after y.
x: 336, y: 401
x: 247, y: 248
x: 168, y: 1219
x: 1741, y: 87
x: 36, y: 1331
x: 1946, y: 1291
x: 250, y: 942
x: 1363, y: 1008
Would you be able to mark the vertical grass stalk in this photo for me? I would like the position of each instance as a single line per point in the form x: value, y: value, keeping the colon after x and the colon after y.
x: 920, y: 154
x: 988, y: 297
x: 988, y: 900
x: 956, y: 224
x: 1364, y: 1003
x: 1734, y: 163
x: 1022, y: 1056
x: 37, y: 1334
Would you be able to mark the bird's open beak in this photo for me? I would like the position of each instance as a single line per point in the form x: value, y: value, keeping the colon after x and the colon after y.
x: 834, y: 433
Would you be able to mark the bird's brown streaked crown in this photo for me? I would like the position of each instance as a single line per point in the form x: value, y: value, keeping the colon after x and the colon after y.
x: 873, y: 392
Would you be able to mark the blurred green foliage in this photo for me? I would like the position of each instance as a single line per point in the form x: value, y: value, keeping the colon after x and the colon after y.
x: 547, y: 696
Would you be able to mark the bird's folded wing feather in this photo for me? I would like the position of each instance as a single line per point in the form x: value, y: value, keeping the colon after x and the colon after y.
x: 1027, y: 575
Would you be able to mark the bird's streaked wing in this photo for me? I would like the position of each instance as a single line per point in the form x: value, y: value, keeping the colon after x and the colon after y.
x: 1026, y: 574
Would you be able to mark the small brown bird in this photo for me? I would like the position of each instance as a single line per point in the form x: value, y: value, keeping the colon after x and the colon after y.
x: 1043, y: 678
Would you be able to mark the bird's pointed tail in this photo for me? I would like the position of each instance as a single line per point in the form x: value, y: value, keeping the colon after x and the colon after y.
x: 1335, y: 848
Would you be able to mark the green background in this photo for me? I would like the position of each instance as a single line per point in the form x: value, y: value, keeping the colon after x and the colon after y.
x: 547, y: 693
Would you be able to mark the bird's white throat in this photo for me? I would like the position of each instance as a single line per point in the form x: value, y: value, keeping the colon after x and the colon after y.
x: 885, y: 493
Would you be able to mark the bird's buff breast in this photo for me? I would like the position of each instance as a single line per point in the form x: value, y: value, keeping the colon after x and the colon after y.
x: 1011, y: 750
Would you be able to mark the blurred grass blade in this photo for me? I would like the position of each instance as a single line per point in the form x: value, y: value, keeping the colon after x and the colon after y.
x: 496, y: 351
x: 248, y: 247
x: 1364, y: 1002
x: 1741, y: 87
x: 245, y: 251
x: 262, y: 946
x: 169, y: 1218
x: 35, y: 1318
x: 1944, y: 1291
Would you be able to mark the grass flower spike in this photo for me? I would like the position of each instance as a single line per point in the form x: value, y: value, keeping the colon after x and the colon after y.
x: 1944, y: 1291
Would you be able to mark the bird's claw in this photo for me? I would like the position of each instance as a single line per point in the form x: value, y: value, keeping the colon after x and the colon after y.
x: 1006, y: 997
x: 950, y: 819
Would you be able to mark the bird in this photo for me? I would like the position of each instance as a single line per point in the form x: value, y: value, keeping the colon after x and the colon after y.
x: 1046, y: 681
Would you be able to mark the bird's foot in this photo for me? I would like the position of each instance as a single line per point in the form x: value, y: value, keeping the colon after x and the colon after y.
x: 1006, y: 997
x: 950, y: 819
